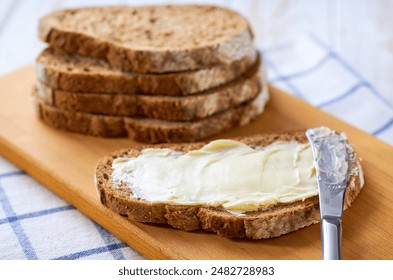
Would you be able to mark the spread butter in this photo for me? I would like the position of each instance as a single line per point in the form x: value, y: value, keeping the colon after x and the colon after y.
x: 222, y: 173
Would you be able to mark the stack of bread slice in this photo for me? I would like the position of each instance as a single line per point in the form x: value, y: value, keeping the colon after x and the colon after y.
x: 152, y: 73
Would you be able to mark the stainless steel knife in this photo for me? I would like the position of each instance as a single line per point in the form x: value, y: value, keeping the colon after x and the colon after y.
x: 331, y: 164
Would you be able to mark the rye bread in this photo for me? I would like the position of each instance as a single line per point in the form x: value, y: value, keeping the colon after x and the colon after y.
x: 71, y: 72
x: 152, y: 39
x: 267, y: 222
x: 151, y: 130
x: 172, y: 108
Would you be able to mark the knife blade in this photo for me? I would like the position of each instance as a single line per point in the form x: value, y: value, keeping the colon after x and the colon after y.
x: 331, y: 164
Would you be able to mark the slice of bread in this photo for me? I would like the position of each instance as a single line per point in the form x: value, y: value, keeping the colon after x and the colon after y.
x: 172, y: 108
x: 70, y: 72
x: 152, y: 39
x: 267, y: 222
x: 151, y: 130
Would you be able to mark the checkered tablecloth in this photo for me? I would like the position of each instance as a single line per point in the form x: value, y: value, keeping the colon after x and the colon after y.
x: 36, y: 224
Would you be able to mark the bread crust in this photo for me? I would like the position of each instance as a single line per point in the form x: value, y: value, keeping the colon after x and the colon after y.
x: 171, y: 108
x: 267, y: 222
x: 230, y: 36
x: 74, y: 73
x: 151, y: 130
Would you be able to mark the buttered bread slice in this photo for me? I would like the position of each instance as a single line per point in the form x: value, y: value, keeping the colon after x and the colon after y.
x: 152, y: 39
x: 255, y: 187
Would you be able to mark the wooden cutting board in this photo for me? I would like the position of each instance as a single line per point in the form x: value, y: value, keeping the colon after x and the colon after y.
x: 64, y: 162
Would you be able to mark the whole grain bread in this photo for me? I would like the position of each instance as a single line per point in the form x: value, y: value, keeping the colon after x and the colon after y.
x: 71, y: 72
x: 267, y: 222
x: 151, y: 130
x: 172, y: 108
x: 151, y: 39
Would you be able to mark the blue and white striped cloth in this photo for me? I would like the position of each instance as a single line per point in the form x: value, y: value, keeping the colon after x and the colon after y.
x: 310, y: 70
x: 36, y: 224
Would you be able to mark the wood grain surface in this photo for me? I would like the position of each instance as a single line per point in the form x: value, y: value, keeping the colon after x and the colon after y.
x: 65, y: 162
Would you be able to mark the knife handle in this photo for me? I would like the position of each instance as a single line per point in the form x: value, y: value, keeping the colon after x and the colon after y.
x: 331, y: 238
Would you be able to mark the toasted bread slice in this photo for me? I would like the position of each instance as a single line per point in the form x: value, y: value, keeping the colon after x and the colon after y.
x: 71, y: 72
x: 270, y: 221
x: 172, y: 108
x: 151, y: 130
x: 152, y: 39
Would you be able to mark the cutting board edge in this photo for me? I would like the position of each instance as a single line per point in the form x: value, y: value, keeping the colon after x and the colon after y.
x: 136, y: 236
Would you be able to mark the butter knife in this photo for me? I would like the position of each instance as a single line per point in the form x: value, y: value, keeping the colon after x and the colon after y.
x: 331, y: 164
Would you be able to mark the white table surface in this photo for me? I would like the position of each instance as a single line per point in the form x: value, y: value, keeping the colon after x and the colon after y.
x: 334, y: 54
